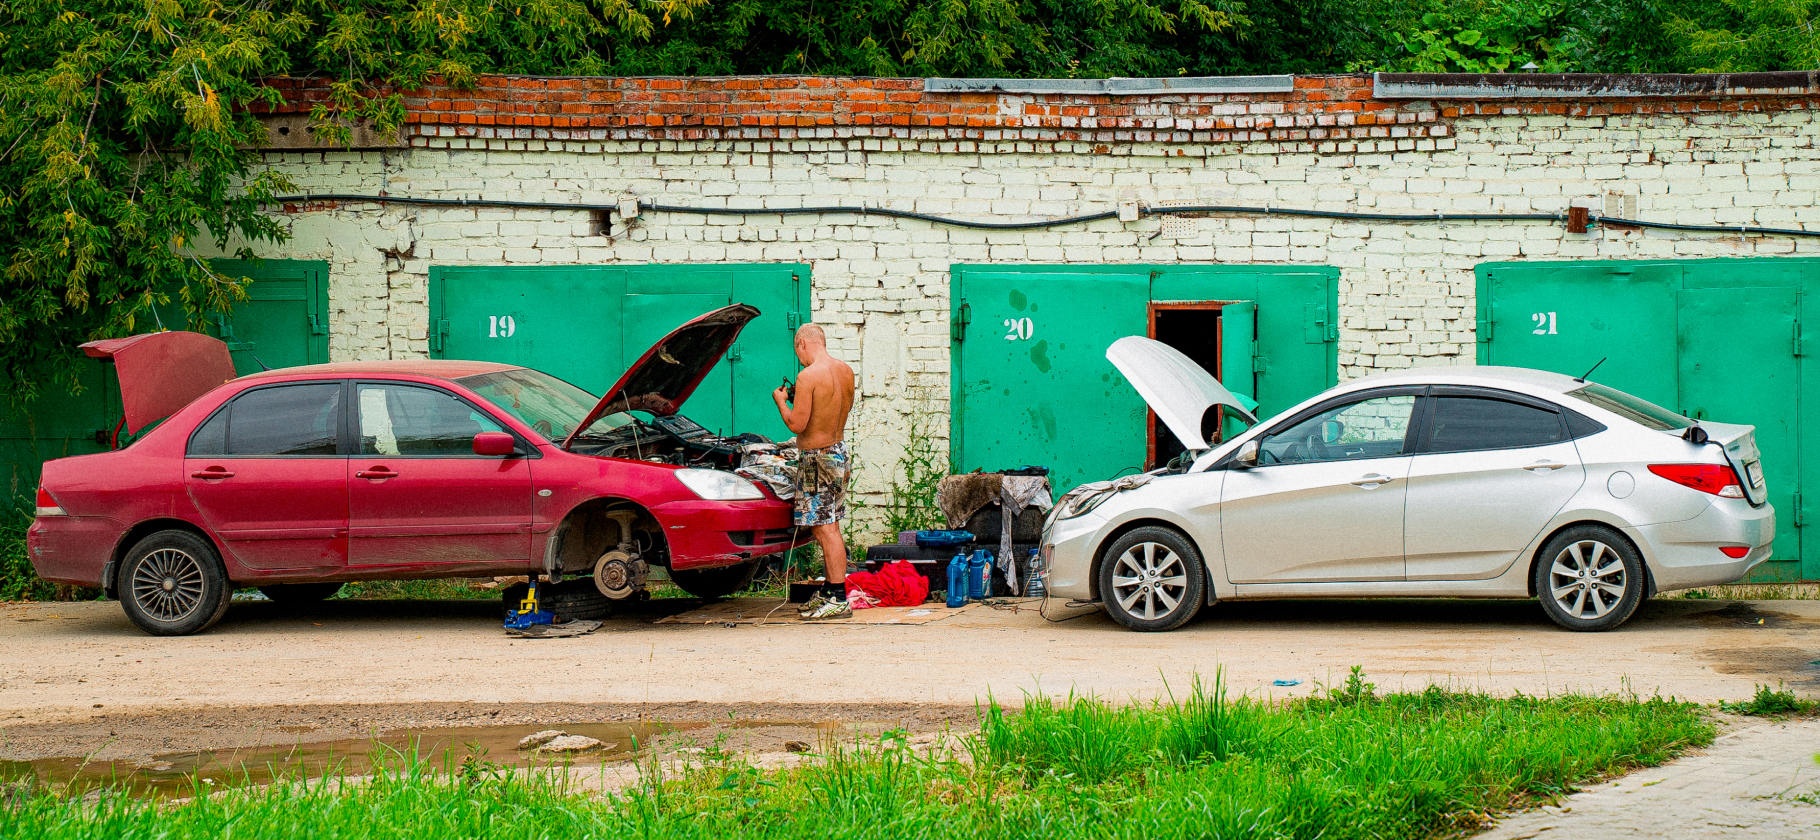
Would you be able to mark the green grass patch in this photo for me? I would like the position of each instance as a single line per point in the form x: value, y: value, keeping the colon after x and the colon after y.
x: 439, y: 589
x: 1773, y: 702
x: 1348, y: 765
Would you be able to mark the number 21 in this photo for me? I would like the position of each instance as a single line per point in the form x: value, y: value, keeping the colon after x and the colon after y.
x: 1545, y: 323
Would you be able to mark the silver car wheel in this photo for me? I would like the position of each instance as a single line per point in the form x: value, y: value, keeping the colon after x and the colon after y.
x: 1587, y: 579
x: 167, y: 584
x: 1149, y: 574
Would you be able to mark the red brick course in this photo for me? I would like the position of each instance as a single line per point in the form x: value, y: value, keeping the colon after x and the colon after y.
x: 1320, y: 110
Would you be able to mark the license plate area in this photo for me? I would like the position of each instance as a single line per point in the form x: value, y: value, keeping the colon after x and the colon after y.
x: 1753, y: 471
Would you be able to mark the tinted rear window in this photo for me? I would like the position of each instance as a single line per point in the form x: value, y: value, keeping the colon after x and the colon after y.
x: 1635, y: 409
x: 1464, y: 424
x: 291, y: 420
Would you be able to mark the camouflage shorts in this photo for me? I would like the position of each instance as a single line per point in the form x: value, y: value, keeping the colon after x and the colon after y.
x: 821, y: 485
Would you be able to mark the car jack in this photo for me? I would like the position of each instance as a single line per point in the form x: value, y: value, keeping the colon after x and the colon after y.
x: 529, y: 612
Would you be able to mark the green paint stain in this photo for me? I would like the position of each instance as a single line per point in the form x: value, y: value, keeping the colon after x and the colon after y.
x: 1105, y: 377
x: 1042, y: 416
x: 1039, y: 355
x: 1033, y: 307
x: 1018, y: 300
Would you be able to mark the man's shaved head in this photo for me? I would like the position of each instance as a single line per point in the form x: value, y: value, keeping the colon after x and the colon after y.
x: 812, y: 334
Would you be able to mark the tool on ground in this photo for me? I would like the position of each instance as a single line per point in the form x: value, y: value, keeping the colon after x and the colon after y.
x: 529, y: 611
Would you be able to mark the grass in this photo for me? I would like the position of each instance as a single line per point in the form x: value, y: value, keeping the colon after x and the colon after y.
x: 1752, y: 592
x: 439, y: 589
x: 1348, y: 765
x: 1773, y: 702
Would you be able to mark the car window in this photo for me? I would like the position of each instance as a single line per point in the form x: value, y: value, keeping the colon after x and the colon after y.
x: 411, y: 420
x: 1373, y: 428
x: 1635, y: 409
x: 1465, y: 424
x: 549, y: 405
x: 286, y: 420
x: 211, y: 437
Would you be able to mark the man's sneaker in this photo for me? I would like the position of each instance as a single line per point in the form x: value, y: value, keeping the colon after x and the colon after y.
x: 815, y: 602
x: 829, y: 609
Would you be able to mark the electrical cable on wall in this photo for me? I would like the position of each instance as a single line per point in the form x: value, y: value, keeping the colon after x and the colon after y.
x: 1037, y: 224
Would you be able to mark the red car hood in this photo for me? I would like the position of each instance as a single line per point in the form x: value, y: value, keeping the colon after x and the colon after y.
x: 669, y: 372
x: 163, y: 372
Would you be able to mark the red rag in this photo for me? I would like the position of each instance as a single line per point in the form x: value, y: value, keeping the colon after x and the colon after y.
x: 898, y: 584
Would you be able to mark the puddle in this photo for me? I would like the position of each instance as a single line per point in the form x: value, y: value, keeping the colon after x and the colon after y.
x: 175, y: 774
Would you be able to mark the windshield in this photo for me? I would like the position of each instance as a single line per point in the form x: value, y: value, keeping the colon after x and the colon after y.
x: 549, y: 405
x: 1634, y: 409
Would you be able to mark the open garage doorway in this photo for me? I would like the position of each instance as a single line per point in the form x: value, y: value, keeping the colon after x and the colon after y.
x: 1194, y: 328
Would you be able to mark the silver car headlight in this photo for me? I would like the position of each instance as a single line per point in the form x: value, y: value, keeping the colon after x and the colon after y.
x: 718, y: 486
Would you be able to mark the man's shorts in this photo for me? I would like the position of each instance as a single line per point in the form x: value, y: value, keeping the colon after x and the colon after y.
x: 821, y: 485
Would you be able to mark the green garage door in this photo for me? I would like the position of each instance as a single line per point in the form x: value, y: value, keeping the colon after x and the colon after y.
x: 584, y: 324
x: 1713, y: 339
x: 283, y: 322
x: 1031, y: 383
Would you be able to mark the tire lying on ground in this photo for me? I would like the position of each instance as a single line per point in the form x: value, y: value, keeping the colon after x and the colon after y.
x: 714, y: 583
x: 576, y: 598
x: 300, y: 593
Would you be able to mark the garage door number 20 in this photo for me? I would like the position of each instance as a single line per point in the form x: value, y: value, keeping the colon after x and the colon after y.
x: 1018, y: 329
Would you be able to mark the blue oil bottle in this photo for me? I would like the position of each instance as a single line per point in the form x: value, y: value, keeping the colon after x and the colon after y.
x: 957, y: 581
x: 978, y: 570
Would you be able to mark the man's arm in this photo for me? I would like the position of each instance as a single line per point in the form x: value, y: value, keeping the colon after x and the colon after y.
x: 797, y: 417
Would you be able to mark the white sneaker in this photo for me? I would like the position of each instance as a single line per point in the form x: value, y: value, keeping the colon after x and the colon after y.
x: 829, y: 609
x: 815, y: 601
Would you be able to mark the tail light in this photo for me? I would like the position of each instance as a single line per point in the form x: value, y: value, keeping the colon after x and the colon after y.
x: 47, y: 506
x: 1734, y: 551
x: 1718, y: 479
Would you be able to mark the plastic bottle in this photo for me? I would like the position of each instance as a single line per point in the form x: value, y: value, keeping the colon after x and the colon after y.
x: 1033, y: 584
x: 957, y: 581
x: 978, y: 570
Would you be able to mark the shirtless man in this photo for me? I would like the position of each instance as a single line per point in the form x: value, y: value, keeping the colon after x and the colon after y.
x: 824, y: 397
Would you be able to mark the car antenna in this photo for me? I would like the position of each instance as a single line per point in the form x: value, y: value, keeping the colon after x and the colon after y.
x: 262, y: 365
x: 1582, y: 377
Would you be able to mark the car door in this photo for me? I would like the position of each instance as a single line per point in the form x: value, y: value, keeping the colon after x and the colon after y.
x: 417, y: 493
x: 1325, y: 502
x: 267, y: 474
x: 1491, y: 469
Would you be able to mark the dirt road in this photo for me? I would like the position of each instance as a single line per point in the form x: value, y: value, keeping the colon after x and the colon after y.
x: 71, y: 674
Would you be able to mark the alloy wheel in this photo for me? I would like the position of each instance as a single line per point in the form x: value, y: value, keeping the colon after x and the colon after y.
x: 1146, y: 576
x: 1587, y: 579
x: 167, y: 584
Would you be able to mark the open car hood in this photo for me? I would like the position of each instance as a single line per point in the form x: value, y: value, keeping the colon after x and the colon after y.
x: 162, y: 372
x: 1178, y: 390
x: 670, y: 371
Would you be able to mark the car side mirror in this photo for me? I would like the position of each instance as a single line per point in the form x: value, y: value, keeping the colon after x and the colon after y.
x: 1331, y: 431
x: 495, y: 444
x: 1247, y: 456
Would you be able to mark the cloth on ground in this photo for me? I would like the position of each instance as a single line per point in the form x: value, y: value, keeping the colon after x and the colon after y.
x: 1087, y: 496
x: 960, y: 496
x: 860, y: 599
x: 1018, y: 492
x: 898, y: 584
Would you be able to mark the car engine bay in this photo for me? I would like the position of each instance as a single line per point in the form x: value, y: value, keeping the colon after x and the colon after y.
x: 672, y: 439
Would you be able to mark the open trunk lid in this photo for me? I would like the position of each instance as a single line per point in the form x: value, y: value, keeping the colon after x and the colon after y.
x: 1178, y: 390
x: 1740, y: 445
x: 664, y: 377
x: 162, y: 372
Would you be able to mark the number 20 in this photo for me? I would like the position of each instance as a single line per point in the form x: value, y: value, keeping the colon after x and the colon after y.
x: 1018, y: 329
x: 1545, y: 323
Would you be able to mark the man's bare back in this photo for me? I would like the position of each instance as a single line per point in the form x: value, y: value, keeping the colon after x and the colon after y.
x: 825, y: 390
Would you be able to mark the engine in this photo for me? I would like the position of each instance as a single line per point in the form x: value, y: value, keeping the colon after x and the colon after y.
x: 669, y: 440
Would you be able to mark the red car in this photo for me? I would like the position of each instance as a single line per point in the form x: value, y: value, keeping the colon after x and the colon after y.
x: 296, y: 480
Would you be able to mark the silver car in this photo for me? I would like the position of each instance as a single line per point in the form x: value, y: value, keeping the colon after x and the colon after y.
x: 1461, y: 482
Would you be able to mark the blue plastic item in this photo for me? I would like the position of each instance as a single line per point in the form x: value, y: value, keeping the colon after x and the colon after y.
x: 1033, y: 584
x: 943, y: 538
x: 529, y: 612
x: 1287, y: 682
x: 978, y: 569
x: 957, y: 581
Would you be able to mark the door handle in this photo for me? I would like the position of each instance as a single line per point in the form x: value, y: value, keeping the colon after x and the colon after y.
x: 1542, y: 466
x: 212, y: 472
x: 376, y: 473
x: 1371, y: 481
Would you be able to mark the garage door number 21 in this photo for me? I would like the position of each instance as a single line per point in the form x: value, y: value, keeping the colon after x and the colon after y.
x: 1545, y: 323
x: 1018, y: 329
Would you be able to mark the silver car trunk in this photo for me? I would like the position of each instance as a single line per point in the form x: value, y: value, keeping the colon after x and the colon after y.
x: 1740, y: 444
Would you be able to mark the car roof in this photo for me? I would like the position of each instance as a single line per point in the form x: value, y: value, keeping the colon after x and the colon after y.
x: 434, y: 368
x: 1482, y: 375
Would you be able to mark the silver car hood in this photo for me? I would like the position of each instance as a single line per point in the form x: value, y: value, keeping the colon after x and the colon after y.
x: 1177, y: 389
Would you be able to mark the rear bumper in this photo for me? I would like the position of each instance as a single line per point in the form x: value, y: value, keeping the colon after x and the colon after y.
x: 704, y: 534
x: 72, y: 549
x: 1685, y: 554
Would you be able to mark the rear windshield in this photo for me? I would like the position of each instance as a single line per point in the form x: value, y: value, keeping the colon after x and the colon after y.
x: 1631, y: 408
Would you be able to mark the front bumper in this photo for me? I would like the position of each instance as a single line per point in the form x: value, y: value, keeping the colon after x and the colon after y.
x: 704, y: 534
x: 1073, y: 544
x: 1685, y: 554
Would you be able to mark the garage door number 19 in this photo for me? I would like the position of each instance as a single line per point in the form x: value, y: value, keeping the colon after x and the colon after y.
x: 1018, y: 329
x: 1545, y: 323
x: 501, y: 326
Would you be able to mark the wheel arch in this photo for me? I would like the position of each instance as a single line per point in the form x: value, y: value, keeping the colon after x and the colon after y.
x: 580, y: 531
x: 1535, y: 559
x: 110, y: 577
x: 1112, y: 536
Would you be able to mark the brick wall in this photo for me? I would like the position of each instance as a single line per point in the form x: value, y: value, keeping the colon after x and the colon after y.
x: 881, y: 285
